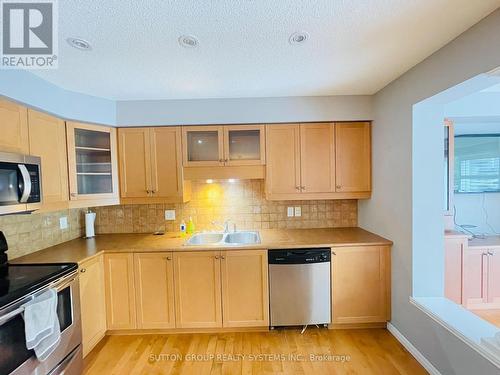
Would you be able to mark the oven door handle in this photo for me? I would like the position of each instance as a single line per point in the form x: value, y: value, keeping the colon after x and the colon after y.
x: 26, y: 182
x: 12, y: 314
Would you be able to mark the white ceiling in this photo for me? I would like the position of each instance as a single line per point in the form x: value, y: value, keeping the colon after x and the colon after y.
x: 355, y: 46
x: 494, y: 88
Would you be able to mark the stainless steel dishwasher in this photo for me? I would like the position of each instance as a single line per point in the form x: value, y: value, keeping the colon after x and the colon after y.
x: 299, y: 283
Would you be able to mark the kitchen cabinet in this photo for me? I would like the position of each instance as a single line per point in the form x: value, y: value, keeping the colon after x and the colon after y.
x: 120, y: 290
x: 92, y: 303
x: 14, y: 125
x: 47, y: 139
x: 361, y: 286
x: 92, y: 165
x: 197, y: 277
x: 150, y: 161
x: 154, y: 285
x: 318, y: 161
x: 481, y: 278
x: 238, y: 145
x: 352, y: 157
x: 245, y: 295
x: 453, y: 252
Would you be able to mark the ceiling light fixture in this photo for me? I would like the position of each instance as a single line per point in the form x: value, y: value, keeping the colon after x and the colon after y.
x: 299, y: 37
x: 80, y: 44
x: 188, y: 41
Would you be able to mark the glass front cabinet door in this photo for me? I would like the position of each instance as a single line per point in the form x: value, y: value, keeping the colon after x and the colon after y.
x: 92, y: 162
x: 229, y: 145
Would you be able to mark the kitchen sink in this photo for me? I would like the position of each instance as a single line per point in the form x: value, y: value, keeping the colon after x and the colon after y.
x: 224, y: 239
x: 242, y: 238
x: 205, y: 238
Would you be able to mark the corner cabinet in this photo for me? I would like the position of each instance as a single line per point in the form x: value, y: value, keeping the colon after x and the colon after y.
x: 361, y: 285
x: 92, y: 165
x: 150, y: 162
x: 318, y: 161
x: 238, y: 145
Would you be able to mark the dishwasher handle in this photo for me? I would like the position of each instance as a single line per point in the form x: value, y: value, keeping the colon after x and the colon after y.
x: 299, y: 256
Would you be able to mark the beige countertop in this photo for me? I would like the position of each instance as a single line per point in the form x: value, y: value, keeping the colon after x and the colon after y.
x: 488, y: 241
x: 81, y: 249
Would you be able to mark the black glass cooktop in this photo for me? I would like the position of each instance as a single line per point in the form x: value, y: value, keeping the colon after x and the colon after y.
x: 22, y: 279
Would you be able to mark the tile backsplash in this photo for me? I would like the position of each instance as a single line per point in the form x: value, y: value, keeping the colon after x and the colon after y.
x: 241, y: 201
x: 28, y: 233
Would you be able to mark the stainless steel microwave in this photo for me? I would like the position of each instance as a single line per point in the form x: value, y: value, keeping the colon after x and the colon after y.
x: 20, y: 183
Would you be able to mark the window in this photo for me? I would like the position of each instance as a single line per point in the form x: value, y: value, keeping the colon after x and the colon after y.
x: 477, y: 163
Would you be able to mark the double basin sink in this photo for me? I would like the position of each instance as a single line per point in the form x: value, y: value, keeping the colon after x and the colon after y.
x: 224, y: 239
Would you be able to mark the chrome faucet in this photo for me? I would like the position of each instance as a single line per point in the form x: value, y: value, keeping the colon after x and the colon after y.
x: 225, y: 225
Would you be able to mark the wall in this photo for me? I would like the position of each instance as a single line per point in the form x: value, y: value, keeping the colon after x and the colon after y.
x: 242, y: 201
x: 26, y: 234
x: 394, y: 210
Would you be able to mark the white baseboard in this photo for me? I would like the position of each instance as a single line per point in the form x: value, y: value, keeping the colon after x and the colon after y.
x: 414, y: 351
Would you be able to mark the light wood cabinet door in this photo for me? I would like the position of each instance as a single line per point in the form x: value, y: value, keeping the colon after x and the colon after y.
x: 475, y: 277
x: 166, y: 160
x: 92, y: 164
x: 14, y: 126
x: 47, y: 139
x: 494, y: 276
x: 134, y: 159
x: 244, y: 145
x: 453, y: 253
x: 283, y: 160
x: 360, y: 284
x: 120, y: 293
x: 203, y: 146
x: 92, y: 303
x: 317, y: 162
x: 353, y: 157
x: 154, y: 285
x: 197, y: 289
x: 245, y: 295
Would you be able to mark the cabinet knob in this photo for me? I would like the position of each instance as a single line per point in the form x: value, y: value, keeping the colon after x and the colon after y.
x: 148, y: 191
x: 302, y: 188
x: 297, y: 187
x: 73, y: 194
x: 338, y: 187
x: 491, y: 253
x: 153, y: 191
x: 83, y: 270
x: 216, y: 257
x: 221, y: 160
x: 169, y: 258
x: 223, y: 257
x: 226, y: 160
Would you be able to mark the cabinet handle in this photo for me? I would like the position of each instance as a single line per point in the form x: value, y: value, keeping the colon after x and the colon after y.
x: 83, y: 270
x: 491, y: 253
x: 73, y: 194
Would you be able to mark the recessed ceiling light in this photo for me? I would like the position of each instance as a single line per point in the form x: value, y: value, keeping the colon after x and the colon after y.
x: 298, y: 37
x: 188, y: 41
x: 79, y: 44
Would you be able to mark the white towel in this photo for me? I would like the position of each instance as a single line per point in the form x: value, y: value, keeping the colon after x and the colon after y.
x: 41, y: 323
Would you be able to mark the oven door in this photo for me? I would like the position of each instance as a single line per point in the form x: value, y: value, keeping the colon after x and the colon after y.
x: 16, y: 359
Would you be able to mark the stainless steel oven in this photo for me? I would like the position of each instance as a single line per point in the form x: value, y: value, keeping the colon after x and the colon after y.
x: 67, y: 358
x: 20, y: 183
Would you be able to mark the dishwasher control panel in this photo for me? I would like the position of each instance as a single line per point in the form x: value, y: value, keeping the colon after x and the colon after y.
x: 299, y: 256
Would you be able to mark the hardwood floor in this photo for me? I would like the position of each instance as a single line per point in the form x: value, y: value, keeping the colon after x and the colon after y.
x: 369, y: 351
x: 492, y: 316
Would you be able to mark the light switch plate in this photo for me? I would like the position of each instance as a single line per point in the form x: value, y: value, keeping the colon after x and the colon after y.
x: 63, y: 222
x: 289, y: 212
x: 169, y: 214
x: 298, y: 211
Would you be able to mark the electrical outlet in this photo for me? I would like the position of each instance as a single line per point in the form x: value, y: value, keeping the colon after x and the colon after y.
x: 298, y: 211
x: 63, y: 222
x: 289, y: 211
x: 169, y: 214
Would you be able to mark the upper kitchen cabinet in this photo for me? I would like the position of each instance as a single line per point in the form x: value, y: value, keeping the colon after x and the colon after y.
x: 318, y: 161
x: 47, y: 139
x: 92, y: 165
x: 353, y: 157
x: 240, y: 149
x: 203, y: 146
x: 14, y: 125
x: 150, y: 161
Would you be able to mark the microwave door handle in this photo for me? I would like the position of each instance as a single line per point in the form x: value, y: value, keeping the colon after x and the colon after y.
x: 27, y: 183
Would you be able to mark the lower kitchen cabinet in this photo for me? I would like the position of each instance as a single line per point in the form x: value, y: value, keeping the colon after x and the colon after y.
x: 481, y: 280
x: 198, y: 289
x: 361, y: 284
x: 119, y: 289
x: 154, y: 285
x: 93, y: 308
x: 245, y: 295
